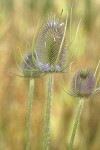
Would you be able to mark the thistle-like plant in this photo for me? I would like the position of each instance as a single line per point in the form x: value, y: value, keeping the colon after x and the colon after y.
x: 83, y: 86
x: 50, y: 55
x: 29, y: 71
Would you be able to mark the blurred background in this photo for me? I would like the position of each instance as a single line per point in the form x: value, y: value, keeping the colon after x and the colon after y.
x: 18, y: 23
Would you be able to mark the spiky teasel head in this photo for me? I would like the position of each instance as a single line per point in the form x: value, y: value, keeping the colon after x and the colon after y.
x: 83, y: 83
x: 51, y: 50
x: 30, y: 68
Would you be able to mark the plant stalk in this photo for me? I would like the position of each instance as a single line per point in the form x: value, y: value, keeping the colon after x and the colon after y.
x: 29, y: 111
x: 76, y: 123
x: 47, y: 114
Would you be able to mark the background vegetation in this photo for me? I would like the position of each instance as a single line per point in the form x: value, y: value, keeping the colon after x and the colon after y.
x: 18, y: 22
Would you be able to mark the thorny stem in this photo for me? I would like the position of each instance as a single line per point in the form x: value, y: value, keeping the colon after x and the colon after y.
x: 77, y: 120
x: 47, y: 115
x: 29, y: 111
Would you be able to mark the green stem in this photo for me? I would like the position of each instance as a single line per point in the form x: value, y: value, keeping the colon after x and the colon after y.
x: 47, y: 115
x: 29, y: 111
x: 77, y: 119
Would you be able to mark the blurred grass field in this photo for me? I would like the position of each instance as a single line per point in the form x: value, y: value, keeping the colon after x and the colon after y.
x: 18, y: 23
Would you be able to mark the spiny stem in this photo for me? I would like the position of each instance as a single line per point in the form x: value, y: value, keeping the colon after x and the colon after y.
x: 47, y: 114
x: 77, y: 119
x: 29, y: 111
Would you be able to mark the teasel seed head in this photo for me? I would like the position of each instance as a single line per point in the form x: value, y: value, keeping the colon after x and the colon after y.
x: 83, y: 83
x: 48, y: 43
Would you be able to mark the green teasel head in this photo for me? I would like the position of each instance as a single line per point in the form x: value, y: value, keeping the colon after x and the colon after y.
x: 51, y: 50
x: 83, y: 83
x: 30, y: 68
x: 50, y: 53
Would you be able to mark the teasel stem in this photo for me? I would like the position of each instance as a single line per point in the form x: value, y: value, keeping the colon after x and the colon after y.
x: 76, y: 123
x: 47, y: 114
x: 29, y: 111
